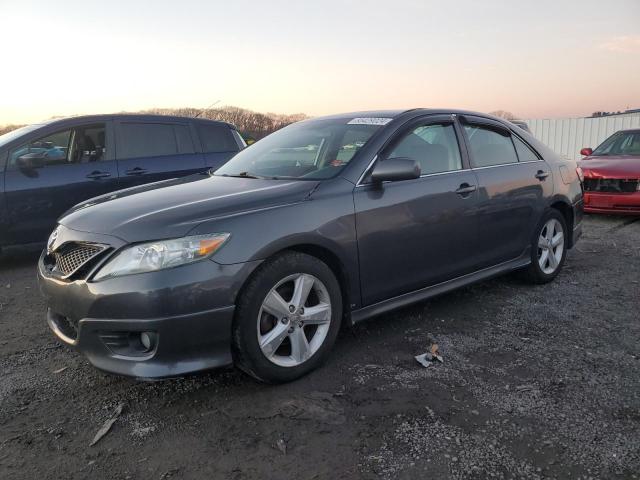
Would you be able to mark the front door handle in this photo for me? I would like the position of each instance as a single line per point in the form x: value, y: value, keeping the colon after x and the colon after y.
x: 96, y: 175
x: 466, y: 189
x: 542, y: 175
x: 136, y: 171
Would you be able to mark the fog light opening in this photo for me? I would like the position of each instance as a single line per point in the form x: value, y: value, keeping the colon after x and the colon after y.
x: 148, y: 340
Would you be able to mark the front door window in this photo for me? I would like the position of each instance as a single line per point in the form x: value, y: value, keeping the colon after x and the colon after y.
x: 51, y: 150
x: 83, y: 144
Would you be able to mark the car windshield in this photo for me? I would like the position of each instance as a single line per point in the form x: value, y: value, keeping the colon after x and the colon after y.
x: 621, y: 143
x: 7, y: 137
x: 311, y: 150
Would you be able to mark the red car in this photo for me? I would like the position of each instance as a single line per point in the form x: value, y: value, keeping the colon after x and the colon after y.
x: 612, y: 175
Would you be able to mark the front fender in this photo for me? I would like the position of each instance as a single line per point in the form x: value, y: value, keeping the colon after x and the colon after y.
x: 325, y: 220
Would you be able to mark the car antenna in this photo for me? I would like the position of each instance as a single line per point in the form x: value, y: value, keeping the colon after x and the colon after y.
x: 208, y: 108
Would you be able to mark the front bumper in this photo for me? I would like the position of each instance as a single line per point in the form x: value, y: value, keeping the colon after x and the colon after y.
x: 612, y: 203
x: 188, y: 312
x: 184, y: 344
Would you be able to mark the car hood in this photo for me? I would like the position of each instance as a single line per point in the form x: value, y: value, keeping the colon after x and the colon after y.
x: 619, y: 166
x: 171, y: 209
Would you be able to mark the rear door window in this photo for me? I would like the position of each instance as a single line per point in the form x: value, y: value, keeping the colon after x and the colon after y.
x: 489, y: 147
x: 146, y: 140
x: 216, y: 138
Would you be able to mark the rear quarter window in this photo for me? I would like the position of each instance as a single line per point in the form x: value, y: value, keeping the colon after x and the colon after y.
x: 216, y: 138
x: 525, y: 154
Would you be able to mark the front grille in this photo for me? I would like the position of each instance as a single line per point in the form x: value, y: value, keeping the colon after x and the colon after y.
x: 71, y: 257
x: 610, y: 185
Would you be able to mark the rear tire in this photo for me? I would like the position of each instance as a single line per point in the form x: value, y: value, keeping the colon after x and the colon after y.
x: 548, y: 248
x: 287, y: 318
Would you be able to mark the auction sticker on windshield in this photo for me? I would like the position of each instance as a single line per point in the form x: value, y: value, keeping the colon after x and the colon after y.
x: 369, y: 121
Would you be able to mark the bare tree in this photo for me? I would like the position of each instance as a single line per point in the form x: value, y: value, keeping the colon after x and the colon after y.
x: 252, y: 125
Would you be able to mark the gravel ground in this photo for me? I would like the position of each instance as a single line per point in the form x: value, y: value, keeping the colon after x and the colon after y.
x: 537, y: 382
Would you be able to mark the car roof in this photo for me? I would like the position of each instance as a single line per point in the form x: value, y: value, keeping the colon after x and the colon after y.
x: 362, y: 114
x: 414, y: 111
x: 138, y: 117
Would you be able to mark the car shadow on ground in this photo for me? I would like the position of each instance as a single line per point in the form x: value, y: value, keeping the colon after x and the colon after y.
x: 19, y: 257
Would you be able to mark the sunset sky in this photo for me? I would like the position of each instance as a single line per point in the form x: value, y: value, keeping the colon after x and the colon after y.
x: 533, y: 58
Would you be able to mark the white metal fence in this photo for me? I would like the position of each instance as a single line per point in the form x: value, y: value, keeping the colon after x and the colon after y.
x: 566, y: 136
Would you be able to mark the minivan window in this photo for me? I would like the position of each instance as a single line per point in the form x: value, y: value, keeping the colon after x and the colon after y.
x: 488, y: 147
x: 146, y: 140
x: 434, y: 147
x: 310, y: 150
x: 83, y: 144
x: 183, y: 138
x: 54, y: 149
x: 525, y: 154
x: 216, y: 138
x: 88, y: 144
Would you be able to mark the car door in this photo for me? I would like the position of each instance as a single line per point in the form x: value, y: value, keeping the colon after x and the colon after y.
x: 416, y: 233
x: 219, y: 143
x: 513, y: 182
x: 53, y: 171
x: 151, y: 151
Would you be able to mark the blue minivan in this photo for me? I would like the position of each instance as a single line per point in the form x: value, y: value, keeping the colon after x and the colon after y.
x: 47, y: 168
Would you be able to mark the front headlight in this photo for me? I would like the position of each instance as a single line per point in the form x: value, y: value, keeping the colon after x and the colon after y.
x: 152, y: 256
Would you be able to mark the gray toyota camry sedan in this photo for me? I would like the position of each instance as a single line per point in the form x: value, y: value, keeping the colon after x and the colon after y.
x: 328, y: 221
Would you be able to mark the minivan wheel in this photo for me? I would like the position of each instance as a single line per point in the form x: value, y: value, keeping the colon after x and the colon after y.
x: 287, y: 318
x: 548, y: 248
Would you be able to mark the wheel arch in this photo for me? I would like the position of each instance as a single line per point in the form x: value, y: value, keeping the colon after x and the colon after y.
x: 334, y: 263
x: 562, y: 205
x: 345, y: 271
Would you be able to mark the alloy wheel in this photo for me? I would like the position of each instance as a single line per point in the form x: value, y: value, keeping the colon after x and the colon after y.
x: 294, y: 320
x: 550, y: 246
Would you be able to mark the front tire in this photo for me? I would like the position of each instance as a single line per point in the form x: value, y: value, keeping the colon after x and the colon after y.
x: 548, y: 248
x: 287, y: 318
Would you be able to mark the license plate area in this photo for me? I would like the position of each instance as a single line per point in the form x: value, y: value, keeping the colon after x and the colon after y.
x: 601, y: 201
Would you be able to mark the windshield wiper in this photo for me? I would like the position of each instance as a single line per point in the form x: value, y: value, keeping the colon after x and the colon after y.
x: 242, y: 175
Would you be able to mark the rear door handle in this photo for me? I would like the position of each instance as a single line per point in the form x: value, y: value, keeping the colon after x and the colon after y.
x: 96, y: 175
x: 542, y: 175
x: 465, y: 189
x: 136, y: 171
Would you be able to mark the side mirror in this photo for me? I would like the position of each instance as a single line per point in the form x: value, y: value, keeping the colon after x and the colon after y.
x: 395, y: 169
x: 585, y: 152
x: 31, y: 161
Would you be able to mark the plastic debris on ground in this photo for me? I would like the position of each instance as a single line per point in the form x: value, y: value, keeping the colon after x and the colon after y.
x: 431, y: 357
